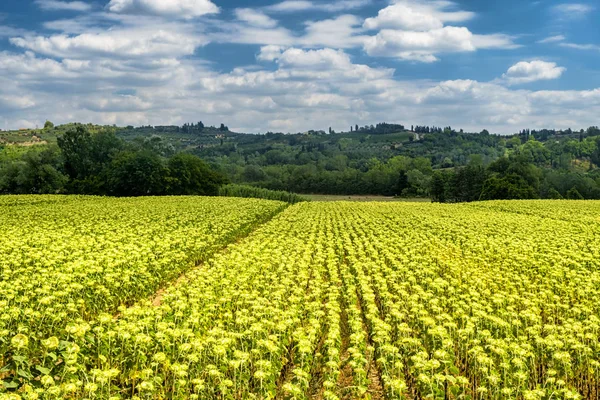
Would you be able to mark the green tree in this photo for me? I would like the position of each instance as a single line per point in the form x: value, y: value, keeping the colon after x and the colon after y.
x: 595, y: 153
x: 438, y: 187
x: 35, y: 173
x: 48, y: 125
x: 573, y: 194
x: 85, y: 154
x: 75, y: 145
x: 137, y: 174
x: 553, y: 194
x: 87, y: 158
x: 509, y: 187
x: 189, y: 175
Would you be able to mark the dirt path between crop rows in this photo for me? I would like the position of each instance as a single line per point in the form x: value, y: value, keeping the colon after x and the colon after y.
x: 157, y: 297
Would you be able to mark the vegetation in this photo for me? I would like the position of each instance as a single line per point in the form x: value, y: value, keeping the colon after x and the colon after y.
x: 100, y: 163
x: 260, y: 193
x: 523, y: 174
x: 98, y: 254
x: 487, y: 300
x: 385, y: 159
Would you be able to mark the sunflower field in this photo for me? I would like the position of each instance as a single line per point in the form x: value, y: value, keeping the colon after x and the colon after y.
x: 217, y: 298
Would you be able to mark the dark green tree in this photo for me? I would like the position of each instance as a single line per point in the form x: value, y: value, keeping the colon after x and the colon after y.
x: 595, y: 156
x: 438, y: 187
x: 137, y: 174
x: 189, y: 175
x: 509, y: 187
x: 76, y: 146
x: 573, y: 194
x: 87, y: 158
x: 35, y: 173
x: 554, y: 194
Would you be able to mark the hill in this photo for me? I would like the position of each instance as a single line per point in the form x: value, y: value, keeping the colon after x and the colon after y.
x: 385, y: 159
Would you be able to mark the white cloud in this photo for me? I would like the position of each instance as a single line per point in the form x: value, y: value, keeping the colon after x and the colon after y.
x: 158, y: 41
x: 577, y: 46
x: 416, y: 31
x: 27, y: 65
x: 185, y: 9
x: 526, y: 72
x: 270, y: 53
x: 572, y: 10
x: 420, y: 46
x: 341, y: 32
x: 255, y: 18
x: 567, y: 99
x: 118, y: 103
x: 131, y: 65
x: 322, y: 59
x: 16, y: 102
x: 290, y: 97
x: 553, y: 39
x: 244, y: 33
x: 6, y: 31
x: 290, y: 6
x: 495, y: 41
x: 417, y: 16
x: 57, y: 5
x: 561, y: 41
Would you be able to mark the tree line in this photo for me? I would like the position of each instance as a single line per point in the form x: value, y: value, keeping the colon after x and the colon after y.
x: 103, y: 164
x: 445, y: 165
x: 526, y: 173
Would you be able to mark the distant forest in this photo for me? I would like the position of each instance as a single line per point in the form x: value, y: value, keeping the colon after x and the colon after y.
x: 443, y: 164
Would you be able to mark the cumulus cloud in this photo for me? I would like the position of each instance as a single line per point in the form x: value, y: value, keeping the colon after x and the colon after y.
x: 244, y: 33
x: 417, y: 16
x: 159, y: 41
x: 290, y: 6
x: 57, y: 5
x: 531, y: 71
x: 185, y: 9
x: 417, y: 31
x: 341, y: 32
x: 289, y: 97
x: 255, y: 18
x: 117, y: 103
x: 270, y: 53
x: 314, y: 59
x: 7, y: 31
x: 134, y: 65
x: 420, y: 46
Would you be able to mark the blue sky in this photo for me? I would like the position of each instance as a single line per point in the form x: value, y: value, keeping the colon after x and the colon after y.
x: 294, y: 65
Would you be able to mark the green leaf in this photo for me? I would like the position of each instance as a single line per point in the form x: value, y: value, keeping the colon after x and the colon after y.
x: 25, y: 374
x: 44, y: 371
x: 11, y: 385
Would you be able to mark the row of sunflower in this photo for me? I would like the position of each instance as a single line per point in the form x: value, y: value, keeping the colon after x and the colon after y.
x: 487, y: 301
x: 65, y: 261
x: 494, y: 300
